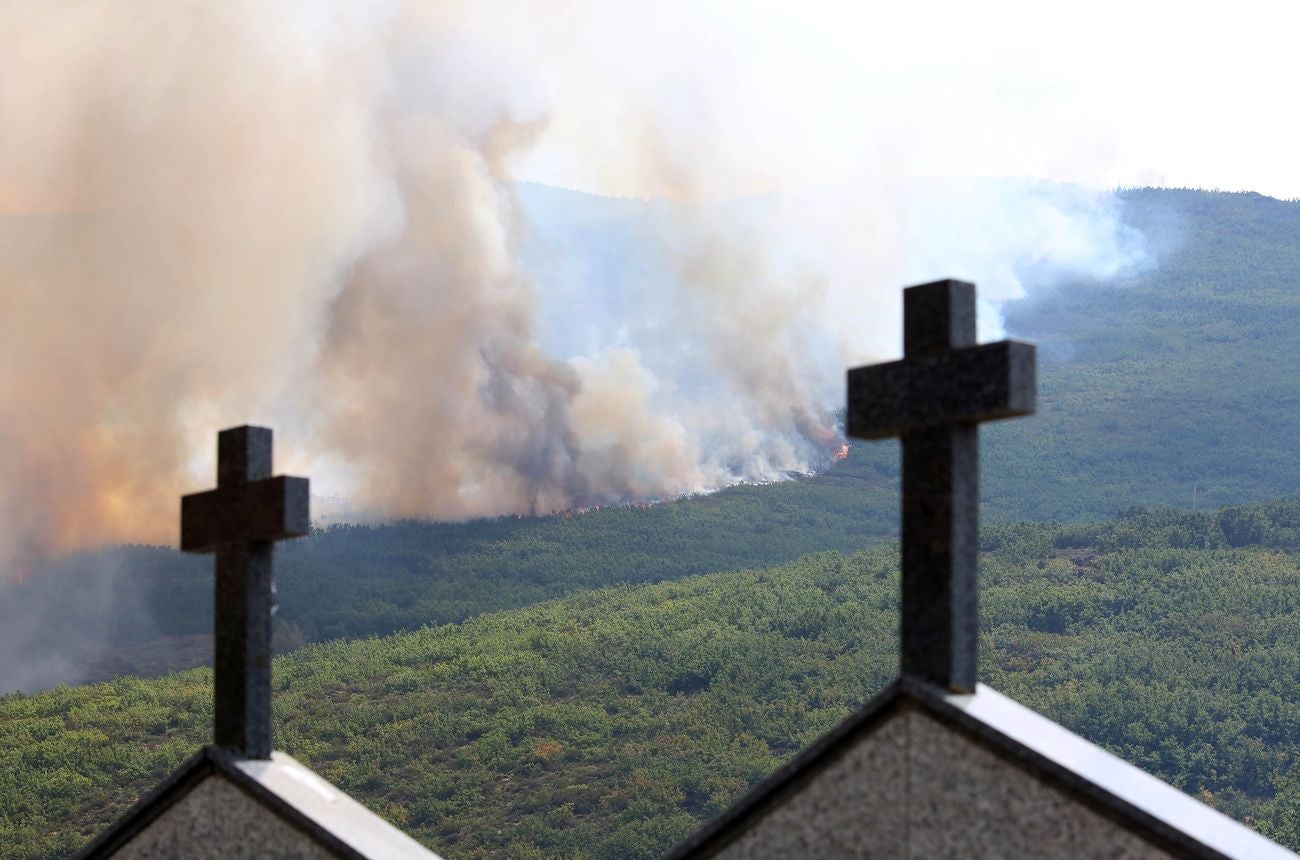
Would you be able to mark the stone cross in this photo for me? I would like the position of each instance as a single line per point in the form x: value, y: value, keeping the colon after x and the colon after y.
x: 239, y: 521
x: 933, y: 399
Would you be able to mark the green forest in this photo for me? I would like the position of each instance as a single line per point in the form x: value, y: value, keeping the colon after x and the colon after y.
x: 598, y: 685
x: 612, y: 722
x: 352, y: 581
x: 1172, y: 387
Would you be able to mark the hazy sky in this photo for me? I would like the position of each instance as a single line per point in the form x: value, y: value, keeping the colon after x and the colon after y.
x: 1106, y: 93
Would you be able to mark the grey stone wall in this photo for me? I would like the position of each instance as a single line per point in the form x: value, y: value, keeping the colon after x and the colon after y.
x: 850, y: 809
x: 217, y: 820
x: 915, y: 789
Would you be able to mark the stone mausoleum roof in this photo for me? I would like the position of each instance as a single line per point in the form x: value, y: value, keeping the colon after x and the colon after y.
x: 921, y: 772
x: 218, y: 805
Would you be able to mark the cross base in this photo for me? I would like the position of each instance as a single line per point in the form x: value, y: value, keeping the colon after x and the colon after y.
x: 940, y: 614
x: 242, y: 650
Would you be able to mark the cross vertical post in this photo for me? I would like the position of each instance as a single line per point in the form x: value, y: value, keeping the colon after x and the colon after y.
x: 239, y: 521
x: 933, y: 400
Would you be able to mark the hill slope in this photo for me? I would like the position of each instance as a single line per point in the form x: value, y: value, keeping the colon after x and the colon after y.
x: 610, y: 723
x: 1186, y: 377
x: 1180, y: 376
x: 125, y: 610
x: 1177, y: 387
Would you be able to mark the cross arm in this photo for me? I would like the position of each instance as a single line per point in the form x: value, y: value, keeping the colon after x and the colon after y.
x: 265, y: 510
x: 968, y: 385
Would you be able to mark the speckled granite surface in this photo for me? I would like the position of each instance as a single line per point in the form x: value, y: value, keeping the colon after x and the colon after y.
x: 217, y: 820
x: 851, y: 809
x: 965, y: 802
x: 913, y: 788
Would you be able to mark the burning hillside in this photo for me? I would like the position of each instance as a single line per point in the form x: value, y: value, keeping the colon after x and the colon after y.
x: 310, y: 218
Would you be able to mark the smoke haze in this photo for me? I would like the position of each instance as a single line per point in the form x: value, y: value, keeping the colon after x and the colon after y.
x: 310, y: 216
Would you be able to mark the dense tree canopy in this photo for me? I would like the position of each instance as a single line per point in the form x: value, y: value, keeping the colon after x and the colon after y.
x: 599, y: 684
x: 612, y: 722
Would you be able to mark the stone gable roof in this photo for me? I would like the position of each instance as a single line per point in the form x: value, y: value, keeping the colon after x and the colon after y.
x: 1171, y: 822
x: 328, y: 821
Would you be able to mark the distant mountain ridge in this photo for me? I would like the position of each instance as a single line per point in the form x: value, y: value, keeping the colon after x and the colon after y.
x: 1178, y: 382
x: 1182, y: 383
x: 1176, y: 387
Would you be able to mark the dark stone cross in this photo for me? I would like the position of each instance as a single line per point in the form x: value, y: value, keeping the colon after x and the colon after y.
x: 934, y: 399
x: 240, y: 521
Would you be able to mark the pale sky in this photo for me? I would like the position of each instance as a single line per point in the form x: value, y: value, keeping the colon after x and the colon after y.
x: 761, y: 94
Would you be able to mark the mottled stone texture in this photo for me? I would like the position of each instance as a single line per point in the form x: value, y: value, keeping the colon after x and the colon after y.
x: 966, y: 802
x: 913, y: 788
x: 219, y: 821
x: 850, y: 809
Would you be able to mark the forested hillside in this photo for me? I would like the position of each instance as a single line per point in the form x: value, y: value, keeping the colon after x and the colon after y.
x: 143, y: 610
x: 612, y: 722
x: 1174, y: 387
x: 1174, y: 381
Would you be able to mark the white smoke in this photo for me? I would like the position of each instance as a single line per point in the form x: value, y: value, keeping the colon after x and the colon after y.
x: 308, y: 215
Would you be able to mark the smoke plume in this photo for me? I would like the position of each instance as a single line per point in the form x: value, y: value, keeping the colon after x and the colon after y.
x: 310, y: 216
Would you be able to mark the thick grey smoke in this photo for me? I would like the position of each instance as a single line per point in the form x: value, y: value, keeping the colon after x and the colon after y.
x: 307, y: 215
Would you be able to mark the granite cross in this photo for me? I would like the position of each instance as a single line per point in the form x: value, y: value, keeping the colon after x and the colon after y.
x: 933, y: 399
x: 239, y: 521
